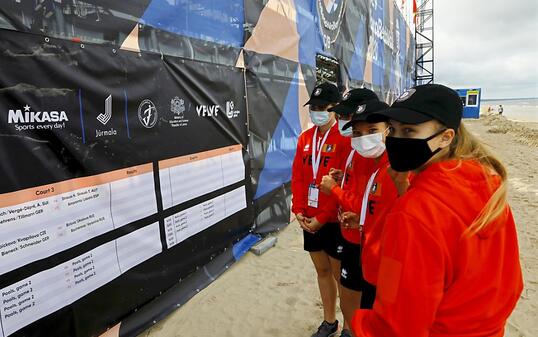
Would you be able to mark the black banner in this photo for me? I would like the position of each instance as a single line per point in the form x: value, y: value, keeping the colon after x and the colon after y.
x: 104, y: 151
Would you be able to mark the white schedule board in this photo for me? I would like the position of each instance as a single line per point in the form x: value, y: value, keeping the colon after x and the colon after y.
x: 188, y: 177
x: 193, y: 220
x: 48, y: 291
x: 39, y: 222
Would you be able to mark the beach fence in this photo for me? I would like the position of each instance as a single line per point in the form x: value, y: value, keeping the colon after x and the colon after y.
x: 146, y: 145
x: 470, y: 98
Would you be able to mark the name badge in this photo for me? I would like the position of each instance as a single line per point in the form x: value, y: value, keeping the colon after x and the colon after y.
x: 313, y: 196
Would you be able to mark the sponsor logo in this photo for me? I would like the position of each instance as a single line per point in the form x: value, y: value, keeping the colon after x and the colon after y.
x: 214, y: 110
x: 177, y: 106
x: 147, y: 114
x: 207, y: 110
x: 27, y: 119
x: 317, y: 92
x: 306, y: 147
x: 361, y: 108
x: 29, y: 116
x: 104, y: 118
x: 178, y: 109
x: 230, y: 110
x: 374, y: 188
x: 344, y: 273
x: 339, y: 249
x: 346, y: 96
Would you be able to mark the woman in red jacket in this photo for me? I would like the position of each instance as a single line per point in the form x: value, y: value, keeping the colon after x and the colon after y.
x: 318, y: 149
x: 370, y: 192
x: 449, y: 259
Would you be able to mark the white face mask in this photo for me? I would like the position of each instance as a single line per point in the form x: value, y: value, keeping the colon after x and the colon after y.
x: 320, y: 118
x: 347, y: 132
x: 369, y: 146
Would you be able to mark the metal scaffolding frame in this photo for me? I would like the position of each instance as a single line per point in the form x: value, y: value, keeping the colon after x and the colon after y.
x: 424, y: 70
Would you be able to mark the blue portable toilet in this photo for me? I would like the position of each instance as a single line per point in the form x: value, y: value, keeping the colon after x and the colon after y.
x: 471, y: 102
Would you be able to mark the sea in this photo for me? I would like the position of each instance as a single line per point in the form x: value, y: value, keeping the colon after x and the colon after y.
x: 520, y: 109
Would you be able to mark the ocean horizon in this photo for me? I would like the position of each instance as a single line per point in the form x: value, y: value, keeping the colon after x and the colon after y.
x: 517, y: 109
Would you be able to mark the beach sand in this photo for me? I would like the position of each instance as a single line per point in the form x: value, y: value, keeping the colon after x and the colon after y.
x: 276, y: 294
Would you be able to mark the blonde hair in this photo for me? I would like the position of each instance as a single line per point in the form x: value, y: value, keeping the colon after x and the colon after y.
x: 465, y: 146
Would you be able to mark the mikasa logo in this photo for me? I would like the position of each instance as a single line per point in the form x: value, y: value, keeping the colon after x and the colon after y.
x: 28, y: 116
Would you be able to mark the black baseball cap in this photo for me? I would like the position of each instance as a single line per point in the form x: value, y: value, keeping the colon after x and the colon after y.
x: 324, y: 94
x: 368, y: 112
x: 427, y: 102
x: 352, y: 99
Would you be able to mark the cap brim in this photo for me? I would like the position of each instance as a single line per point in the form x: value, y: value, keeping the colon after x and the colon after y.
x: 317, y: 101
x: 342, y: 109
x: 403, y: 115
x: 364, y: 118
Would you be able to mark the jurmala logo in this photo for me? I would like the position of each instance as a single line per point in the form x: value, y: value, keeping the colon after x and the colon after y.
x: 18, y: 116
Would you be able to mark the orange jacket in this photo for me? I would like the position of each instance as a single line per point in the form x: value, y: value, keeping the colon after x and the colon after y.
x: 333, y: 155
x: 382, y: 197
x: 432, y: 280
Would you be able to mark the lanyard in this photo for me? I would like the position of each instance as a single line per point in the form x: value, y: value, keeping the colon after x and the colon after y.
x: 316, y: 154
x: 349, y: 159
x: 365, y: 198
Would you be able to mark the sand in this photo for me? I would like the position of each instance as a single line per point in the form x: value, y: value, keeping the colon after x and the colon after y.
x: 276, y: 294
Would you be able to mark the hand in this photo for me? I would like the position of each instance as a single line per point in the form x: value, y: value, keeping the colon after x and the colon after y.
x: 337, y: 175
x: 400, y: 179
x: 301, y: 220
x: 327, y: 184
x: 349, y: 220
x: 313, y: 224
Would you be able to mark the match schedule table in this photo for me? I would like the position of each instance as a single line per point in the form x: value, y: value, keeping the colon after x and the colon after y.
x: 42, y: 221
x: 43, y: 293
x: 188, y: 177
x: 191, y: 221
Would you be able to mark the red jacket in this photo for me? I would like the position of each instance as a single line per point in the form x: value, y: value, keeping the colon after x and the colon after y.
x: 349, y: 198
x: 432, y: 280
x: 382, y: 197
x: 333, y: 155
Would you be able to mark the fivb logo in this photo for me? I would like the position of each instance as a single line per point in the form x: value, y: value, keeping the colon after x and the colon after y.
x: 105, y: 118
x: 28, y: 116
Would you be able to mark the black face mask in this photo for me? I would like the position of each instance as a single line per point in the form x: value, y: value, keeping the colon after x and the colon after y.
x: 407, y: 154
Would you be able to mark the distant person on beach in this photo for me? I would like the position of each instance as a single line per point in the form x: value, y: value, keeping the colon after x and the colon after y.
x: 449, y: 260
x: 500, y: 110
x: 318, y: 149
x: 347, y: 188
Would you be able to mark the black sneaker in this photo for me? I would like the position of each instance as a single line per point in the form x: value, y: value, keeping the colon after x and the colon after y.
x: 327, y: 329
x: 346, y: 333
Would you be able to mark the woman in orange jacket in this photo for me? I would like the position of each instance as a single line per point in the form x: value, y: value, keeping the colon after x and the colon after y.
x: 370, y: 192
x: 449, y: 257
x: 318, y: 149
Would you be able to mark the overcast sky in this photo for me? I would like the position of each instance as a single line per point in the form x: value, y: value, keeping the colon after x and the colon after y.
x: 492, y: 44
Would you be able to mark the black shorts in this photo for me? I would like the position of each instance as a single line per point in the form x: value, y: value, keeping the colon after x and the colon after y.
x: 368, y: 296
x: 328, y: 239
x: 351, y: 268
